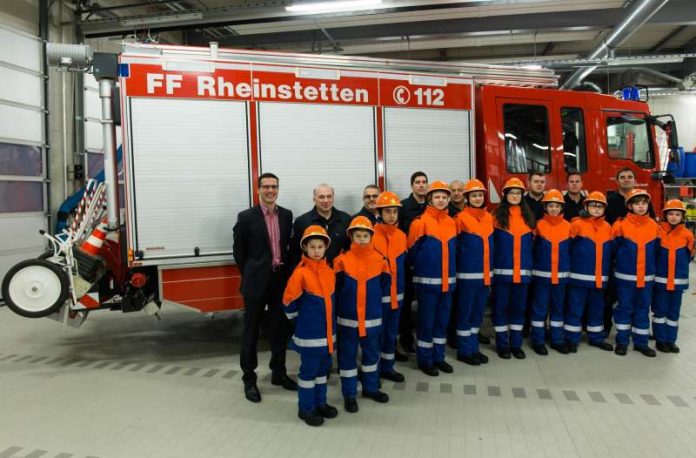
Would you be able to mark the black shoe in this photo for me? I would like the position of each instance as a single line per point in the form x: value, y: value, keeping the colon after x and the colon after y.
x: 252, y: 392
x: 284, y: 381
x: 572, y: 348
x: 400, y: 357
x: 327, y: 411
x: 540, y: 349
x: 377, y: 396
x: 663, y: 347
x: 429, y: 370
x: 518, y: 353
x: 444, y: 366
x: 407, y: 346
x: 606, y: 346
x: 484, y: 340
x: 620, y: 350
x: 481, y: 357
x: 471, y: 360
x: 351, y: 405
x: 394, y: 376
x: 311, y: 418
x: 505, y: 354
x: 560, y: 348
x: 646, y: 351
x: 673, y: 348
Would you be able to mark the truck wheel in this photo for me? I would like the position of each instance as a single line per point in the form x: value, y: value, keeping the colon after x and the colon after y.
x: 35, y: 288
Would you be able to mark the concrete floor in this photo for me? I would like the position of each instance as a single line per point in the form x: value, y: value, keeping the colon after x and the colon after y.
x: 132, y: 386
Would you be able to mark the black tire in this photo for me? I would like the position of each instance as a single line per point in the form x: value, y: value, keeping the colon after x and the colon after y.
x: 50, y: 285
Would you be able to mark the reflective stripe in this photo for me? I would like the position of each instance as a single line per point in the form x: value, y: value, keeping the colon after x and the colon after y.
x: 387, y: 356
x: 639, y: 331
x: 510, y: 272
x: 470, y: 276
x: 501, y: 328
x: 599, y: 328
x: 310, y: 343
x: 348, y: 373
x: 672, y: 323
x: 439, y: 340
x: 427, y: 281
x: 463, y: 333
x: 516, y: 327
x: 423, y: 344
x: 320, y: 380
x: 543, y: 274
x: 305, y: 383
x: 538, y: 324
x: 677, y: 281
x: 571, y: 328
x: 662, y: 320
x: 354, y: 324
x: 557, y: 324
x: 474, y: 330
x: 400, y: 297
x: 386, y: 300
x: 623, y: 327
x: 291, y: 315
x: 584, y: 277
x: 370, y: 368
x: 628, y: 277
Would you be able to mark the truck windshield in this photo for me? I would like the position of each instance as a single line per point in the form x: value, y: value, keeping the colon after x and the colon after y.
x: 629, y: 138
x: 526, y: 138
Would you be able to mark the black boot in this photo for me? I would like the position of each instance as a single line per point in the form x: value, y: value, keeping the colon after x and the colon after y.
x: 377, y: 396
x: 327, y: 411
x: 572, y: 348
x: 429, y: 370
x: 504, y: 353
x: 663, y: 347
x: 484, y: 340
x: 394, y: 376
x: 673, y: 348
x: 311, y: 418
x: 400, y: 357
x: 646, y: 351
x: 560, y: 348
x: 471, y: 360
x: 518, y: 353
x: 351, y: 405
x: 481, y: 357
x: 606, y: 346
x: 444, y: 366
x: 540, y: 349
x: 621, y: 350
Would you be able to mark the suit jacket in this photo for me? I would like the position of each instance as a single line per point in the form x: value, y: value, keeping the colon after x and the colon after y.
x: 252, y: 249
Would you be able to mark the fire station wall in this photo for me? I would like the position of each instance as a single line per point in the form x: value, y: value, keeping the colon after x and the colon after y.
x: 683, y: 108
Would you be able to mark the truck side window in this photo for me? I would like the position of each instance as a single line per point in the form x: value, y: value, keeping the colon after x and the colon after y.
x: 574, y: 149
x: 629, y: 138
x: 526, y: 138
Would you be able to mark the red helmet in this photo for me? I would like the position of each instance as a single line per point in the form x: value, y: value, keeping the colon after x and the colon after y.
x: 315, y: 231
x: 474, y: 185
x: 512, y: 183
x: 438, y: 186
x: 596, y: 196
x: 360, y: 222
x: 633, y: 193
x: 388, y: 199
x: 674, y: 204
x: 553, y: 196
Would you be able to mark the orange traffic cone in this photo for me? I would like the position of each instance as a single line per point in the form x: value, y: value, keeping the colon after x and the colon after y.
x: 95, y: 240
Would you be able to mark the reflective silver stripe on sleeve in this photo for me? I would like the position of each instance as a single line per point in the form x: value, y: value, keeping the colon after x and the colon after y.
x: 584, y: 277
x: 677, y: 281
x: 386, y: 299
x: 354, y: 324
x: 291, y: 315
x: 427, y: 281
x: 309, y: 342
x: 305, y: 383
x: 348, y: 373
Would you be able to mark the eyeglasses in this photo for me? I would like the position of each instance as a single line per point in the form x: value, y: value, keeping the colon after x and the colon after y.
x: 370, y: 196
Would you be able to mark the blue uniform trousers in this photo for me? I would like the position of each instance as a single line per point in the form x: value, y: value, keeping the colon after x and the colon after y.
x: 471, y: 302
x: 547, y: 299
x: 348, y: 343
x: 579, y: 299
x: 431, y: 333
x: 666, y: 306
x: 311, y: 381
x: 631, y: 314
x: 390, y: 329
x: 509, y: 303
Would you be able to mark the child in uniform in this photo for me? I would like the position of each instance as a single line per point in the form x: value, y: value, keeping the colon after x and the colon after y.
x: 308, y: 299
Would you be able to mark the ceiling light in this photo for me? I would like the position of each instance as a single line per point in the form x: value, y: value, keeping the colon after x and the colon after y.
x: 160, y: 19
x: 332, y: 7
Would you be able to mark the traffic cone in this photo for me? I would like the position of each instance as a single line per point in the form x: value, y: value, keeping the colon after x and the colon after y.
x: 95, y: 240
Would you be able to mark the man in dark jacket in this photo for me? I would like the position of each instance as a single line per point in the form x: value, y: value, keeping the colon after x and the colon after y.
x: 536, y: 182
x: 261, y: 237
x: 369, y: 209
x: 616, y: 201
x: 457, y: 200
x: 574, y: 197
x: 325, y: 215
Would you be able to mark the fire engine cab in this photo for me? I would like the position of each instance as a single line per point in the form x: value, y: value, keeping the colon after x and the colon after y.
x: 201, y: 124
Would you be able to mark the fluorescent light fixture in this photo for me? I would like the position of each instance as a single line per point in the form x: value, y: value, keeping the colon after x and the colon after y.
x: 317, y: 73
x: 160, y: 19
x: 332, y: 7
x: 427, y: 80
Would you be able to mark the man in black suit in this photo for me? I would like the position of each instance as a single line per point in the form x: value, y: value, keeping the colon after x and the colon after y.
x: 261, y: 238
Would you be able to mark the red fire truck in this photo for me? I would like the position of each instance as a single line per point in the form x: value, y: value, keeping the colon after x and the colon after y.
x: 201, y: 124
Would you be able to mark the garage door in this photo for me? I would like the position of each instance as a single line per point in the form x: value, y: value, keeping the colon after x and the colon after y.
x: 22, y: 153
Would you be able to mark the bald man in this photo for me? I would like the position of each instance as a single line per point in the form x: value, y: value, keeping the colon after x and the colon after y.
x: 457, y: 200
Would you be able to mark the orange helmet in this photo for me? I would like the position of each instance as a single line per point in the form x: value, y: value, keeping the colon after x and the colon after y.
x: 596, y: 196
x: 674, y: 204
x: 360, y: 222
x: 388, y: 199
x: 553, y: 195
x: 636, y: 193
x: 438, y: 186
x: 513, y: 182
x: 474, y: 185
x: 315, y: 231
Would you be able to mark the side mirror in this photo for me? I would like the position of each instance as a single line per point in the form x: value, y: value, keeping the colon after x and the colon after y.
x: 673, y: 138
